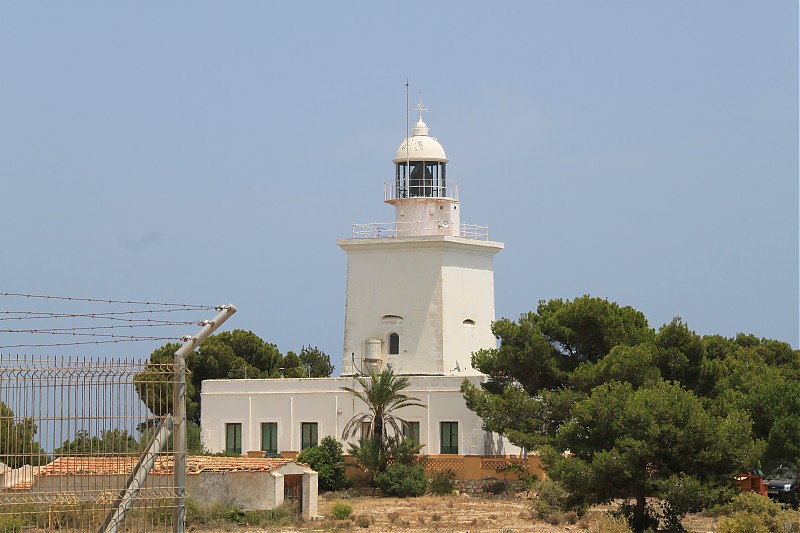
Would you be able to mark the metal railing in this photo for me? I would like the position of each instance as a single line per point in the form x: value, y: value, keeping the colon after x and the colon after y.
x: 394, y: 191
x: 474, y: 231
x: 381, y: 230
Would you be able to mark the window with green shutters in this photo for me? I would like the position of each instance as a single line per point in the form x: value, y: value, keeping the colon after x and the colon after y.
x: 449, y: 435
x: 308, y: 436
x: 269, y: 438
x: 411, y: 431
x: 233, y: 438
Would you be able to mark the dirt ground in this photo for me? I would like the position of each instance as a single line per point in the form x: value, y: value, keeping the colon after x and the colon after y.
x: 447, y: 514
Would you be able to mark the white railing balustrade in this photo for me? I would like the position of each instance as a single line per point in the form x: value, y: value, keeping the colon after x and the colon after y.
x: 394, y: 191
x: 383, y: 230
x: 473, y: 231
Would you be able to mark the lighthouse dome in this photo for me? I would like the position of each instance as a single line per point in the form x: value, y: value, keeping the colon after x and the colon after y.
x: 420, y: 146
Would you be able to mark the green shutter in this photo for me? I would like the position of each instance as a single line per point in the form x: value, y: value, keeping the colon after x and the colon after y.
x: 233, y: 438
x: 308, y: 435
x: 449, y: 437
x: 269, y: 438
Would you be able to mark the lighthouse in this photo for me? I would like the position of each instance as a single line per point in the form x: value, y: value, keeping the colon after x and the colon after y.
x: 419, y: 301
x: 420, y: 289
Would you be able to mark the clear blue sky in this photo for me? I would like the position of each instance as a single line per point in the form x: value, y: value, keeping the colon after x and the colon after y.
x: 210, y: 152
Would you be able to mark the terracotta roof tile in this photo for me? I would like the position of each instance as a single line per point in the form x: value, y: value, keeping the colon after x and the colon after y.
x: 110, y: 466
x: 199, y: 463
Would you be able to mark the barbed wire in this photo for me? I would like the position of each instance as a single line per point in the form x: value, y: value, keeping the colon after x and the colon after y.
x: 109, y: 335
x: 109, y: 315
x: 69, y: 343
x: 90, y: 328
x: 115, y: 319
x: 105, y: 300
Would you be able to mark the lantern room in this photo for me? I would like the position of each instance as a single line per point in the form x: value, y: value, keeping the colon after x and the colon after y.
x: 420, y: 166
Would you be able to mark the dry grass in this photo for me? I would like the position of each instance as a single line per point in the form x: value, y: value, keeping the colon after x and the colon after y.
x: 446, y: 514
x: 439, y: 513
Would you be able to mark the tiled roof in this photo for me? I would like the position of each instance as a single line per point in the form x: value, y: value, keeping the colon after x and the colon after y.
x: 110, y: 466
x: 199, y: 463
x: 91, y: 466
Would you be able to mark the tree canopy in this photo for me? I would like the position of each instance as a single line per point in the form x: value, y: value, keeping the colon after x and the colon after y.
x: 642, y: 413
x: 18, y: 446
x: 114, y: 441
x: 236, y: 354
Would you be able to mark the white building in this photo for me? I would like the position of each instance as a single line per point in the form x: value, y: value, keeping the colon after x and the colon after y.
x: 420, y: 300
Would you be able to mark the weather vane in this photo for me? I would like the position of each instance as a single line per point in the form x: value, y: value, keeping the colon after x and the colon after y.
x: 420, y: 107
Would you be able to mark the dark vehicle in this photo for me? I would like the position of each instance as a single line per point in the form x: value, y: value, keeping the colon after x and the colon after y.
x: 783, y: 484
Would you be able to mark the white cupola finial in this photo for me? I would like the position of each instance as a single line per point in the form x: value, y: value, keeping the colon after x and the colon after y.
x: 420, y: 128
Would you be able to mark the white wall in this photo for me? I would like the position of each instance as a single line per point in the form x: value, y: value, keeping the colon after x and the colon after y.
x: 289, y: 402
x: 468, y: 294
x: 433, y: 283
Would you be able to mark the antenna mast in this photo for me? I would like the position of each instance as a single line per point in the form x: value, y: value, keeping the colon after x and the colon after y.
x: 407, y: 177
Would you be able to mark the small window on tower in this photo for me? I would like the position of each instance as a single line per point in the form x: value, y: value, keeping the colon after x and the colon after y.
x: 469, y: 322
x: 394, y: 344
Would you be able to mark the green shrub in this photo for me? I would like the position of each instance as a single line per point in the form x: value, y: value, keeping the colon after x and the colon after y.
x: 752, y: 503
x: 443, y: 483
x: 327, y: 459
x: 742, y: 522
x: 340, y: 510
x: 198, y: 513
x: 204, y: 514
x: 402, y: 481
x: 529, y: 482
x: 753, y: 513
x: 551, y: 498
x: 607, y: 523
x: 10, y: 524
x: 403, y: 450
x: 788, y: 522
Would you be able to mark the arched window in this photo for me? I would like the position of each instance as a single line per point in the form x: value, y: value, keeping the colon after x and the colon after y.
x: 394, y: 344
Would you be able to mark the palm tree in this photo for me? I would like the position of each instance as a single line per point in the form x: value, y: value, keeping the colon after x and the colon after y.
x: 381, y: 392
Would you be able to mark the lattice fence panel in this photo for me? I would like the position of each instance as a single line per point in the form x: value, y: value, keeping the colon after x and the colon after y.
x: 455, y: 464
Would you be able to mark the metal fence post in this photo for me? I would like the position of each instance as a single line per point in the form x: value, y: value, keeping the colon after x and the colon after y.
x: 179, y: 412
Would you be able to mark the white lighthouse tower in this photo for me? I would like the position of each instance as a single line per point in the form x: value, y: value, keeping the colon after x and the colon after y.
x: 420, y: 290
x: 420, y: 300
